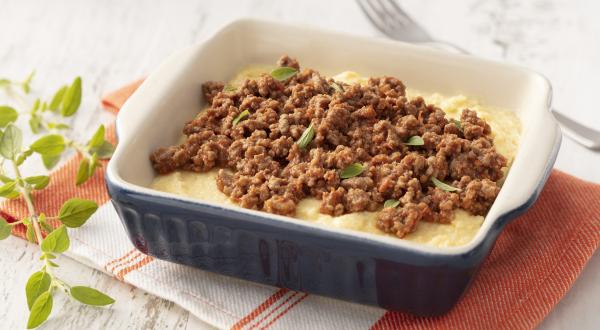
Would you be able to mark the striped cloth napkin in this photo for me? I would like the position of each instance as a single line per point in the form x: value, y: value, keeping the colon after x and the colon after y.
x: 534, y: 263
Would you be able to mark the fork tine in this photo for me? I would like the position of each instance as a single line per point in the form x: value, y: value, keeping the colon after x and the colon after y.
x: 380, y: 18
x: 401, y: 13
x: 390, y: 19
x: 389, y: 12
x: 373, y: 16
x: 403, y: 23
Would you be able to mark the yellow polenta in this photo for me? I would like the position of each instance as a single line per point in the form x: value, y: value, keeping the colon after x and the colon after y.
x: 506, y: 130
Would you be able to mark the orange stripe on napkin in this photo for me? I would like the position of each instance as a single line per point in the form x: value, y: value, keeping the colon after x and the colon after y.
x: 276, y: 309
x: 287, y: 309
x: 260, y: 309
x: 130, y: 259
x: 117, y: 260
x: 146, y: 260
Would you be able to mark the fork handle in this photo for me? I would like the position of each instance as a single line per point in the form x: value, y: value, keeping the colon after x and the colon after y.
x: 586, y: 136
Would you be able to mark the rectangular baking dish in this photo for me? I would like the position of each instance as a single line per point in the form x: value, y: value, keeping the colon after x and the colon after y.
x: 285, y: 252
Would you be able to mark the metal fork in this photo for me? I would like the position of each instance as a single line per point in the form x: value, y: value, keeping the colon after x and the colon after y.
x: 389, y: 18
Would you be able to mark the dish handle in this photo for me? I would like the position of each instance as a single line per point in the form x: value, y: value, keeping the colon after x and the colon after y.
x: 545, y: 169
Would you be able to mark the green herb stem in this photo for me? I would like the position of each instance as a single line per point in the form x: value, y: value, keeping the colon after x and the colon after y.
x: 17, y: 97
x: 83, y: 150
x: 57, y: 282
x: 23, y: 104
x: 47, y: 127
x: 26, y: 193
x: 42, y: 284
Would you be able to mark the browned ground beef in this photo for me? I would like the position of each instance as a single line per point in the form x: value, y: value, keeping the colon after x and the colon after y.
x: 262, y: 167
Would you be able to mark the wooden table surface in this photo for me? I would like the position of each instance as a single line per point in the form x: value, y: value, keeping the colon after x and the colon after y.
x: 110, y: 43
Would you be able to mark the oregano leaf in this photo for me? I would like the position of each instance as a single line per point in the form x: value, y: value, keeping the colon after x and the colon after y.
x: 50, y: 161
x: 57, y: 98
x: 39, y: 181
x: 38, y: 283
x: 71, y: 98
x: 75, y: 212
x: 283, y: 73
x: 40, y: 310
x: 415, y: 141
x: 5, y: 179
x: 97, y: 139
x: 29, y: 234
x: 23, y: 156
x: 57, y: 241
x: 105, y: 151
x: 83, y: 173
x: 13, y: 195
x: 352, y: 170
x: 337, y: 87
x: 457, y: 123
x: 47, y: 256
x: 7, y: 115
x: 54, y: 125
x: 49, y: 145
x: 11, y: 141
x: 393, y: 203
x: 7, y: 189
x: 229, y: 88
x: 26, y: 83
x: 5, y: 229
x: 443, y: 186
x: 306, y: 137
x: 36, y: 105
x: 47, y: 228
x: 239, y: 117
x: 90, y: 296
x: 35, y: 124
x: 94, y: 164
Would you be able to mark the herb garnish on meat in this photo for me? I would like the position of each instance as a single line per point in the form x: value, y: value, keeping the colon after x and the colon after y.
x: 353, y: 148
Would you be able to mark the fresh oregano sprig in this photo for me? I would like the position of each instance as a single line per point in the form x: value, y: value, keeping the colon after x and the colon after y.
x: 43, y: 284
x: 43, y: 117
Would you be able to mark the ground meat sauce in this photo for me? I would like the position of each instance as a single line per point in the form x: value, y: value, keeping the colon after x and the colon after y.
x: 263, y: 167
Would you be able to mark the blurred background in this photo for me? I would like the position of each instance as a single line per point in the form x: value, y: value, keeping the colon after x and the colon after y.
x: 110, y: 43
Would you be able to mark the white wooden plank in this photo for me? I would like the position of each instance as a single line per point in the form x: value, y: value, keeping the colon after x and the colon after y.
x: 112, y: 42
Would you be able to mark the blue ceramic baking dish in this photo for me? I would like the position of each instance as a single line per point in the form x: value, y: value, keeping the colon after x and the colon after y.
x: 285, y: 252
